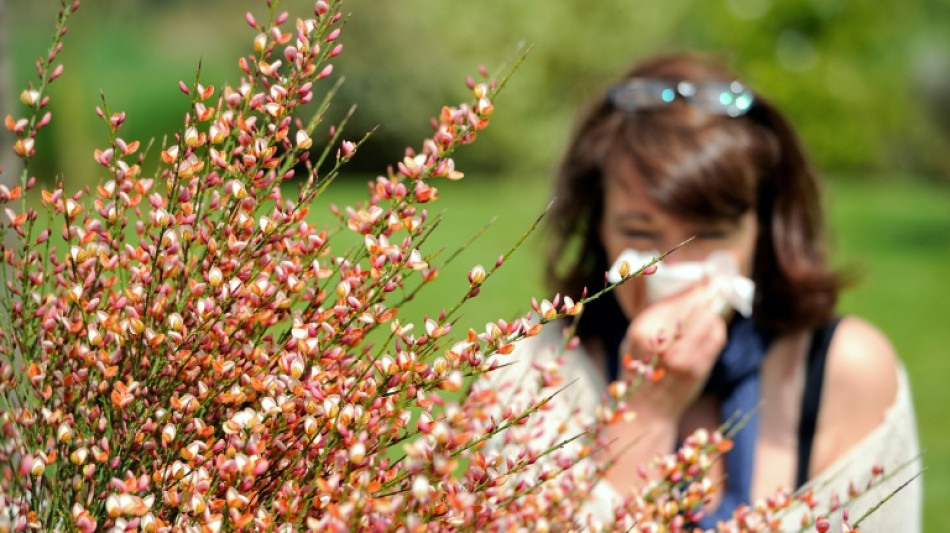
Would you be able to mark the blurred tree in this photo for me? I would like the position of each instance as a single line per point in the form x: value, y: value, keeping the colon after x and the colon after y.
x: 858, y: 79
x: 843, y: 71
x: 866, y: 83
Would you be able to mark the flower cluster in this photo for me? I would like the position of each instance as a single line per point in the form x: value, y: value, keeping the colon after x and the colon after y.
x: 184, y: 350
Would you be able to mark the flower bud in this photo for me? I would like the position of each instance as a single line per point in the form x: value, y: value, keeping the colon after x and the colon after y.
x: 175, y: 322
x: 267, y: 224
x: 274, y: 109
x: 73, y: 208
x: 64, y: 433
x: 112, y: 506
x: 484, y: 107
x: 304, y: 142
x: 169, y: 156
x: 480, y: 91
x: 297, y: 366
x: 420, y: 488
x: 357, y: 453
x: 343, y: 290
x: 24, y: 147
x: 95, y: 338
x: 476, y: 276
x: 197, y: 504
x: 327, y: 70
x: 347, y: 149
x: 188, y: 167
x: 235, y: 499
x: 78, y: 457
x: 162, y: 217
x: 149, y: 523
x: 453, y: 382
x: 38, y: 467
x: 75, y: 293
x: 624, y: 269
x: 310, y: 426
x: 30, y: 97
x: 168, y: 433
x: 237, y: 190
x: 136, y: 325
x: 260, y: 42
x: 218, y: 132
x: 192, y: 137
x: 215, y: 277
x: 617, y: 389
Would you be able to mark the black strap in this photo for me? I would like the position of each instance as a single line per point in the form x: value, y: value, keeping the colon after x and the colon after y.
x: 811, y: 397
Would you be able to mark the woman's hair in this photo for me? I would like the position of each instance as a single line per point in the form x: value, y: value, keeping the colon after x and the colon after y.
x: 701, y: 166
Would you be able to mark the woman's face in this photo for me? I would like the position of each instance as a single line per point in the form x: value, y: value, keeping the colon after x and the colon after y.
x: 631, y: 220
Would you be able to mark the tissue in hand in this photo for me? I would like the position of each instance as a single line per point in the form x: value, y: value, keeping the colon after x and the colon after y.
x: 720, y: 268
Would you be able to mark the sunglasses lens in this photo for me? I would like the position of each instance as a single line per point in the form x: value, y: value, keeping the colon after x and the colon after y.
x: 640, y: 94
x: 730, y: 99
x: 720, y: 98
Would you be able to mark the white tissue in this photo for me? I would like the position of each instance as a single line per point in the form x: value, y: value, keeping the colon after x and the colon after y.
x: 730, y: 288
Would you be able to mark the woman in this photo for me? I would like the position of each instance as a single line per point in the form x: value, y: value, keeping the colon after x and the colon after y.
x: 677, y: 150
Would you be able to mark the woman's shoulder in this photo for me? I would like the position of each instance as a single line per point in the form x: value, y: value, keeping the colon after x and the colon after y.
x: 867, y: 423
x: 861, y: 372
x: 861, y: 382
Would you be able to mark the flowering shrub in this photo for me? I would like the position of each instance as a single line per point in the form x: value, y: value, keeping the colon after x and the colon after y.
x: 185, y: 351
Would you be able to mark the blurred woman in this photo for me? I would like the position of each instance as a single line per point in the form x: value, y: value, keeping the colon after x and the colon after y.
x: 742, y: 318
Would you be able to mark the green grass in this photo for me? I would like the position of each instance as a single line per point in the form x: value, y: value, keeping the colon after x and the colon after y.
x: 899, y: 234
x: 894, y: 234
x: 508, y: 207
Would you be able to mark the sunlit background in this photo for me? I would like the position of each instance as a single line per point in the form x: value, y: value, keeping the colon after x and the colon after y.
x: 866, y: 83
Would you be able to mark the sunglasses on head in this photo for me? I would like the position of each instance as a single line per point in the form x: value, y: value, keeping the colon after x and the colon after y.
x: 718, y: 97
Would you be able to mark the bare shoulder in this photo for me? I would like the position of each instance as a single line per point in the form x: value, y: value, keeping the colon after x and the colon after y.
x: 862, y: 366
x: 860, y: 386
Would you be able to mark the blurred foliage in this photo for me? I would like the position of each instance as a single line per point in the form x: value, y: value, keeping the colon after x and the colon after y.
x: 866, y: 83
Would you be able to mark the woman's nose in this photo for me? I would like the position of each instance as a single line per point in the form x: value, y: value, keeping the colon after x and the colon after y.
x: 682, y: 250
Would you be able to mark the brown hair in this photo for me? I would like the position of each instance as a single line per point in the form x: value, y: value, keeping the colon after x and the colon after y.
x: 700, y: 166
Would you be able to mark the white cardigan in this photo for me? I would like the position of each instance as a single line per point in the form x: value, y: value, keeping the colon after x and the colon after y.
x: 892, y: 444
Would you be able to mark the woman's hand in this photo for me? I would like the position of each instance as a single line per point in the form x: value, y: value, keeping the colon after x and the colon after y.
x: 686, y: 332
